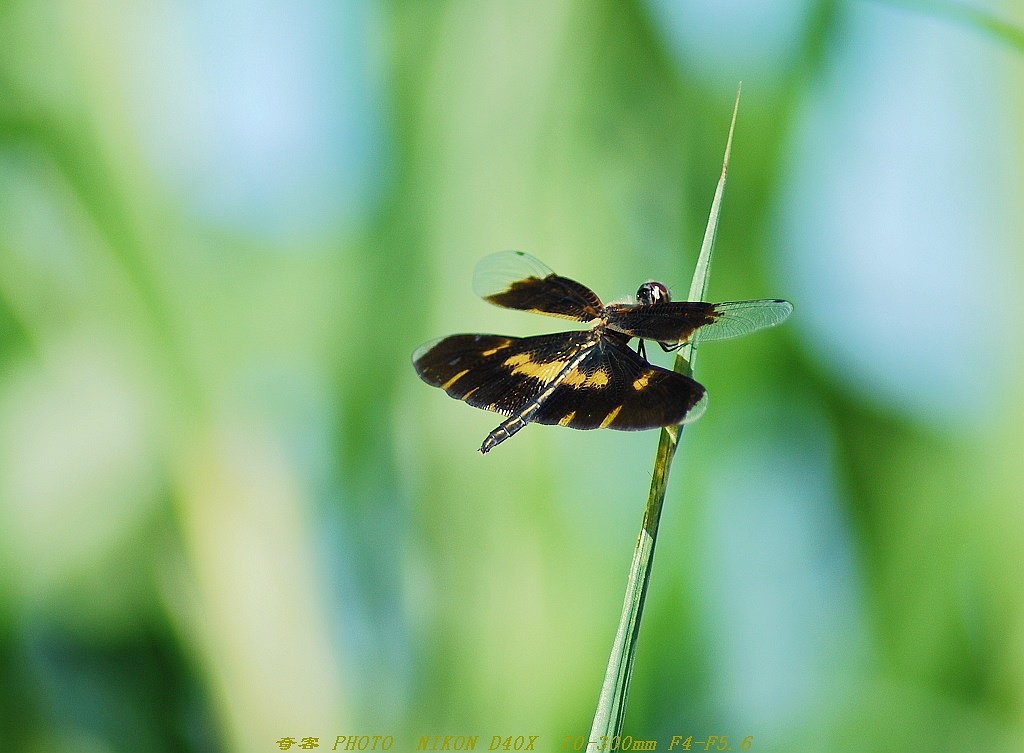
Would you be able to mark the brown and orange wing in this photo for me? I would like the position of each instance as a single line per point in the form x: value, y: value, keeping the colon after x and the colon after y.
x: 677, y: 321
x: 516, y: 280
x: 574, y: 379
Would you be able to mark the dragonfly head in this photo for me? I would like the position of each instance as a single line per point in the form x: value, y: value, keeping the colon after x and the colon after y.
x: 653, y: 292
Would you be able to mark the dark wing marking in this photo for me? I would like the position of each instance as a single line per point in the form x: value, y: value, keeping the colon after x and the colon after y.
x: 516, y: 280
x: 495, y: 372
x: 676, y: 321
x: 613, y: 388
x: 672, y: 321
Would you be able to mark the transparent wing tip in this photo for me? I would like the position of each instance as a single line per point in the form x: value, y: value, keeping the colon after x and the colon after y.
x: 697, y: 410
x: 738, y: 318
x: 497, y: 272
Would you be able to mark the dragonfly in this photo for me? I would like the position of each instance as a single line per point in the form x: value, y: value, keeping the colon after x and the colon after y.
x: 589, y: 378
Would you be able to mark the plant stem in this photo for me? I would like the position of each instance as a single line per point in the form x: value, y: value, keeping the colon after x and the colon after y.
x: 611, y: 706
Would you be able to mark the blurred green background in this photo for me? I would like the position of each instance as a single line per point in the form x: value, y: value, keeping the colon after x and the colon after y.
x: 229, y: 511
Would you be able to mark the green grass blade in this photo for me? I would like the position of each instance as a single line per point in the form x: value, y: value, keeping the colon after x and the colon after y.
x: 611, y: 706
